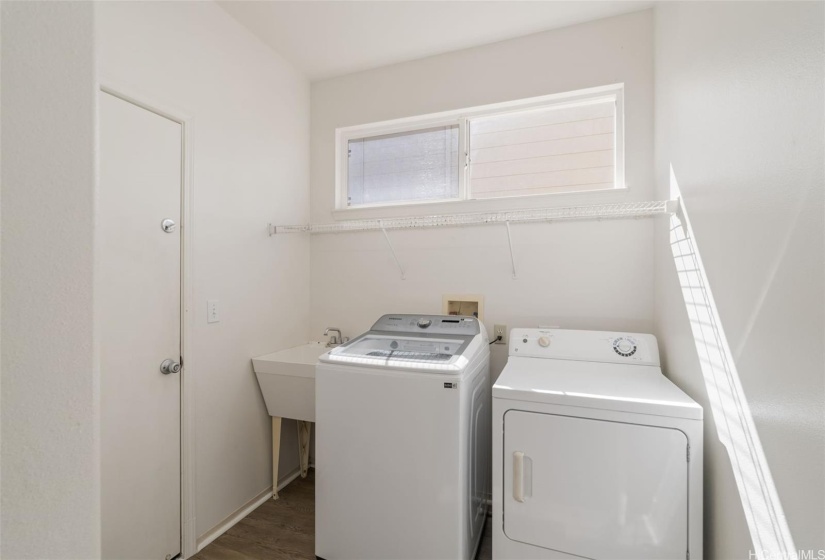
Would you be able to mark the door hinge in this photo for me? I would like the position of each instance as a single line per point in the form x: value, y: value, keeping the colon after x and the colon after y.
x: 688, y: 453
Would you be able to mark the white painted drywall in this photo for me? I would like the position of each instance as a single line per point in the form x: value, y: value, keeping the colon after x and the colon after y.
x: 578, y: 275
x: 251, y: 167
x: 328, y: 38
x: 50, y: 444
x: 739, y: 116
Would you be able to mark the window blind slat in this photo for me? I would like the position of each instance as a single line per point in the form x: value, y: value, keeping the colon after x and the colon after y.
x: 431, y: 160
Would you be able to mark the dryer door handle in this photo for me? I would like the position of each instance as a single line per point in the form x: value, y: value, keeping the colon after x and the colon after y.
x: 518, y: 476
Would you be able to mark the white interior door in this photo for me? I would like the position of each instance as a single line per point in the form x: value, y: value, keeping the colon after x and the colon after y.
x: 140, y: 324
x: 595, y: 488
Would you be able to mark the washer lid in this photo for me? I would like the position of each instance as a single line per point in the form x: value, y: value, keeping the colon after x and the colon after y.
x: 618, y: 387
x: 435, y: 354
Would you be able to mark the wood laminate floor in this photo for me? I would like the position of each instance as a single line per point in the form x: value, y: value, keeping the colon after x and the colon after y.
x: 284, y: 529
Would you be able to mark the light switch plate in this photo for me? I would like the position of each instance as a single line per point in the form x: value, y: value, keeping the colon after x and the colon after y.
x: 212, y: 315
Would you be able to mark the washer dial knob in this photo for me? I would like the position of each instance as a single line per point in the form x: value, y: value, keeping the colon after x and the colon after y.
x: 624, y: 346
x: 424, y: 323
x: 544, y: 341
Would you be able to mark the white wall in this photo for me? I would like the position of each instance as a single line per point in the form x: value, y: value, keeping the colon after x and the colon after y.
x: 739, y: 115
x: 587, y: 275
x: 50, y: 444
x: 251, y: 138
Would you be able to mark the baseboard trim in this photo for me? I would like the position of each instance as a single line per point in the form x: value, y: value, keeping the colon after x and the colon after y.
x: 295, y: 473
x: 207, y: 538
x: 233, y: 519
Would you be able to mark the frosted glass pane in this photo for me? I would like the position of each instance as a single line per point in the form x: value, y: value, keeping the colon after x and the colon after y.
x: 409, y: 166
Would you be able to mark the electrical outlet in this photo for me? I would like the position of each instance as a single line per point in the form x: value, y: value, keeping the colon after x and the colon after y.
x: 500, y: 330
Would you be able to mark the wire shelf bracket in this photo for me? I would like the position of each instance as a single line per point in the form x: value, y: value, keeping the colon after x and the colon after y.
x: 394, y: 256
x: 510, y: 243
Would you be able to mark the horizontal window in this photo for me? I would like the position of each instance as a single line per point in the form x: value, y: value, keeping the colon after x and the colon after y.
x: 561, y: 143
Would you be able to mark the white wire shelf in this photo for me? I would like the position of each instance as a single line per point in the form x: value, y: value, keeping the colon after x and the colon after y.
x: 595, y: 212
x: 569, y: 213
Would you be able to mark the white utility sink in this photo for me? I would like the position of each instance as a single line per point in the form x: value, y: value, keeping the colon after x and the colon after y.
x: 287, y: 380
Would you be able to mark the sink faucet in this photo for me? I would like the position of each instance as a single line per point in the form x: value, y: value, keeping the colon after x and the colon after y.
x: 333, y: 339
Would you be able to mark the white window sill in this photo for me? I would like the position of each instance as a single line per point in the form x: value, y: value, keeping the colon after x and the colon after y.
x: 431, y: 208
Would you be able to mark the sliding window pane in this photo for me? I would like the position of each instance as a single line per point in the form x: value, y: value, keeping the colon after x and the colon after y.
x: 539, y: 151
x: 409, y: 166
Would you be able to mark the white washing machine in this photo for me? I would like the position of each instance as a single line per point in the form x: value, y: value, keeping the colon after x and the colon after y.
x: 402, y: 452
x: 596, y: 454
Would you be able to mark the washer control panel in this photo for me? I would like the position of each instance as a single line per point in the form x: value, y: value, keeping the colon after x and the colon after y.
x: 590, y: 346
x: 433, y: 324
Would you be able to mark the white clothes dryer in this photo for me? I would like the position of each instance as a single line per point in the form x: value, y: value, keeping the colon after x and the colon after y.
x: 596, y: 454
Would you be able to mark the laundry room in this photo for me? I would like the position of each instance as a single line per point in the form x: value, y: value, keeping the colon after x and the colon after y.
x: 412, y: 280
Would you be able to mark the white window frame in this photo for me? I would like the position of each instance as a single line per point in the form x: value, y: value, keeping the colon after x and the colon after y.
x: 461, y: 117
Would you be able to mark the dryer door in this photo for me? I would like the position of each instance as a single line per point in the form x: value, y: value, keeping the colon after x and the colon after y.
x: 595, y: 488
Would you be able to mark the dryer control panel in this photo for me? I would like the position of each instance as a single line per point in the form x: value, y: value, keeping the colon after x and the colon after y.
x: 586, y: 346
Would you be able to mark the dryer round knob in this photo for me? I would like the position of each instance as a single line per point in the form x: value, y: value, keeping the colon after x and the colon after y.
x: 544, y: 341
x: 424, y: 323
x: 625, y: 346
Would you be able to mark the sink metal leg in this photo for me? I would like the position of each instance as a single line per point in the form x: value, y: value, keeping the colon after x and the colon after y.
x: 276, y: 453
x: 304, y: 431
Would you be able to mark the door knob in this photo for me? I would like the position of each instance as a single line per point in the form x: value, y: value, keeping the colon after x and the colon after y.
x: 169, y: 366
x: 168, y: 225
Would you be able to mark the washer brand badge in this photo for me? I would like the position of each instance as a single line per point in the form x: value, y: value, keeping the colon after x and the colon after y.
x: 451, y: 385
